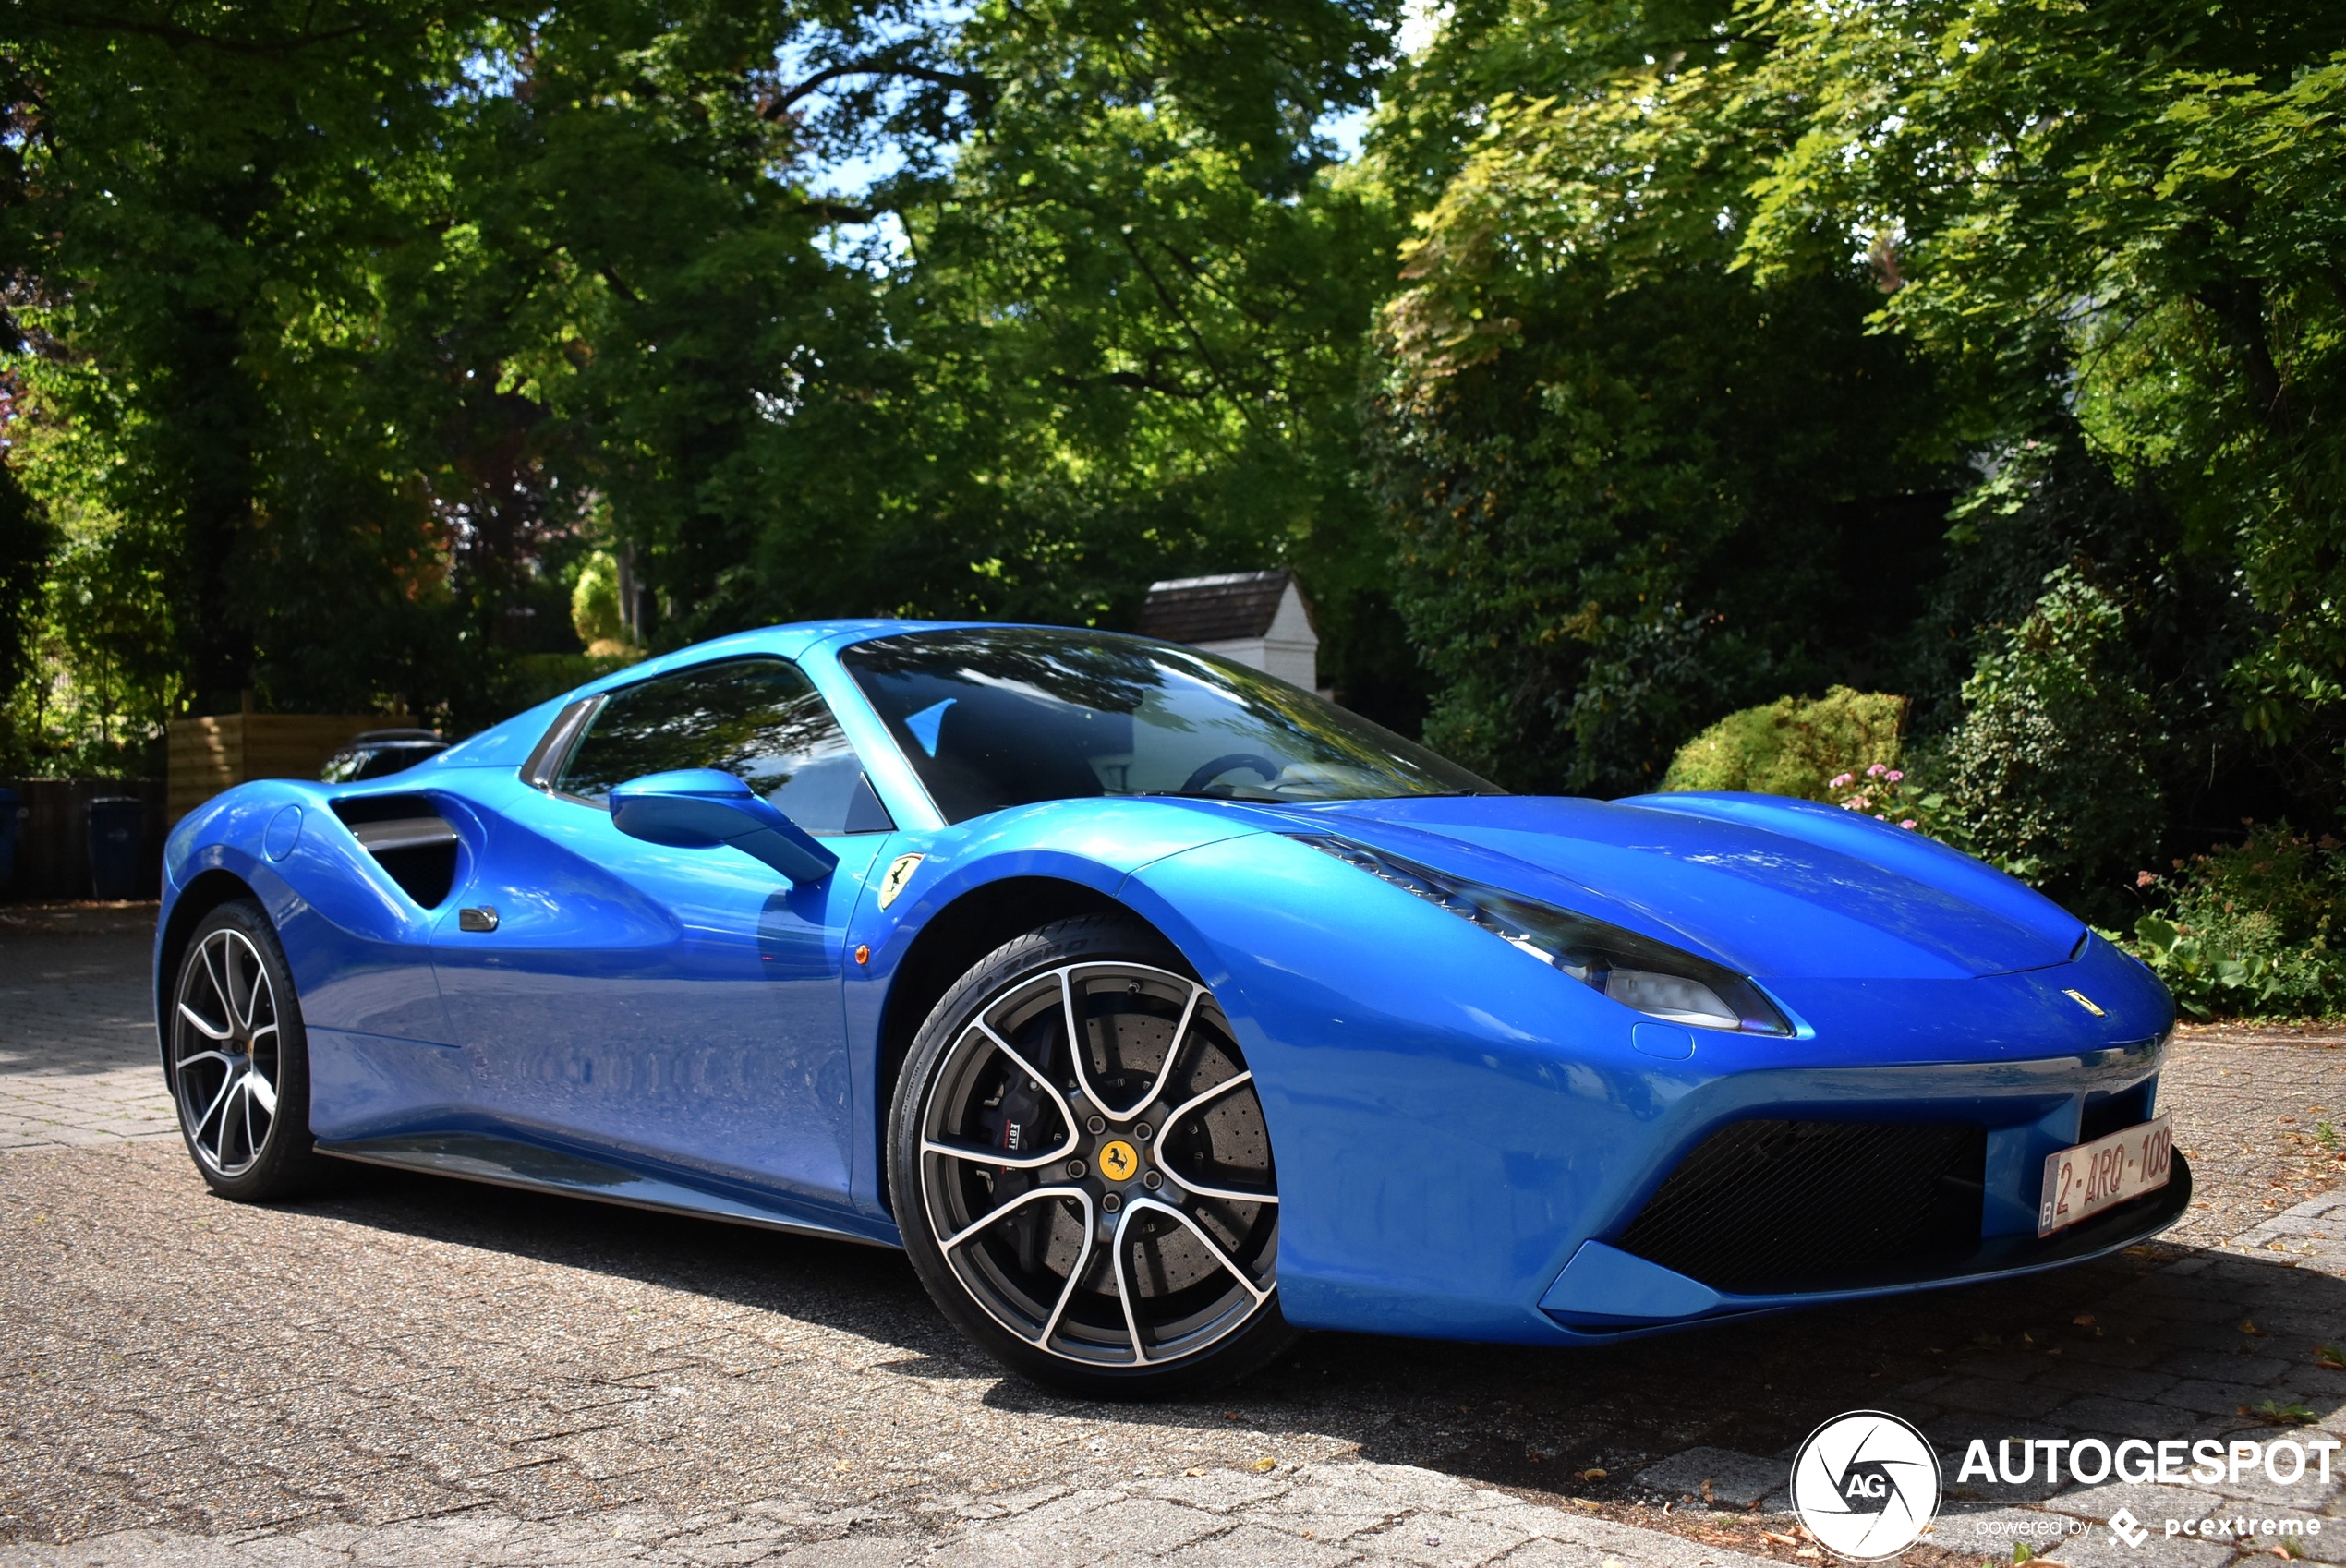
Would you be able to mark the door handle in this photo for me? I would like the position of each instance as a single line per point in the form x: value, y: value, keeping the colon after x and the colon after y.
x: 481, y: 919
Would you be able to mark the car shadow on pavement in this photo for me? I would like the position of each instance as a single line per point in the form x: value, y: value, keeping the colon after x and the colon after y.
x: 2157, y: 1342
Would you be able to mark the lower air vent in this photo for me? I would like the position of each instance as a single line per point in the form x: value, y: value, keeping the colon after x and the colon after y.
x: 409, y: 839
x: 1763, y: 1207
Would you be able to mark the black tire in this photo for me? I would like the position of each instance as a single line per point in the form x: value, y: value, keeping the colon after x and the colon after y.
x: 1216, y: 1313
x: 237, y: 1060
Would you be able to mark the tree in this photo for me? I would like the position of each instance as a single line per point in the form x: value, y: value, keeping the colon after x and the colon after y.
x: 2126, y: 219
x: 186, y: 189
x: 1635, y: 487
x: 374, y: 320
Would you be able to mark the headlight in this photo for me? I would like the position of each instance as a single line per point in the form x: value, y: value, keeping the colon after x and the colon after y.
x: 1653, y: 977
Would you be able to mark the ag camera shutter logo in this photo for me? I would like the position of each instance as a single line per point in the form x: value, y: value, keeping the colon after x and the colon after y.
x: 1866, y: 1485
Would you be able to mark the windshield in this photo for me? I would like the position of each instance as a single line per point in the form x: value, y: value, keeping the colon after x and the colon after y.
x: 1007, y: 716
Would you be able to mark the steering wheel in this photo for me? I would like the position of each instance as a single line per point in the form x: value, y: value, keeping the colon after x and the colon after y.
x: 1223, y: 764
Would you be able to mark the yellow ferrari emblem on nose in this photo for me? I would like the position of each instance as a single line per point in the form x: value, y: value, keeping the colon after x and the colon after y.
x: 1118, y: 1161
x: 2085, y: 1002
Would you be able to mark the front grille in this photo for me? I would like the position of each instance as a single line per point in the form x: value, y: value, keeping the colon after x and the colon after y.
x: 1763, y: 1207
x: 2106, y: 1113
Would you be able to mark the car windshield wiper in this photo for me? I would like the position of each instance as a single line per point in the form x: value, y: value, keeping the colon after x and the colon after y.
x: 1206, y: 794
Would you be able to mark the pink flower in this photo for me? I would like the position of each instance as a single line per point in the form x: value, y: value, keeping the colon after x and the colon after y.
x: 1875, y: 771
x: 1893, y: 776
x: 1854, y: 803
x: 1843, y: 783
x: 1909, y: 823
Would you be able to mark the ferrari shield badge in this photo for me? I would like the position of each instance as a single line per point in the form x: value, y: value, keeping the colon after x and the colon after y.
x: 2077, y: 996
x: 900, y: 871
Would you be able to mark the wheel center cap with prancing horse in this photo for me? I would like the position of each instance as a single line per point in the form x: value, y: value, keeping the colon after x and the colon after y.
x: 1118, y: 1160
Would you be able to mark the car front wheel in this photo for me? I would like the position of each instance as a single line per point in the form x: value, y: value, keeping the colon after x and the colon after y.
x: 1081, y: 1169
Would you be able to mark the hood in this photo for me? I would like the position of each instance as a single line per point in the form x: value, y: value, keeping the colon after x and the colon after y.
x: 1774, y: 887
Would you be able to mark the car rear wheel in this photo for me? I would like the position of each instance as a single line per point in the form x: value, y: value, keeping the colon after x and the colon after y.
x: 237, y: 1060
x: 1081, y: 1169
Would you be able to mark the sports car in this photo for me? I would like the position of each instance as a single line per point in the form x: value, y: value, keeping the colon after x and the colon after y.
x: 1157, y: 1009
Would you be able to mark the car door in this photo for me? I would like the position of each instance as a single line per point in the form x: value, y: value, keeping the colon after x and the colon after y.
x: 682, y: 1005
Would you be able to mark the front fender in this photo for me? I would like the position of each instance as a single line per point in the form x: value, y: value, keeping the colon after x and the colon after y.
x: 1093, y: 844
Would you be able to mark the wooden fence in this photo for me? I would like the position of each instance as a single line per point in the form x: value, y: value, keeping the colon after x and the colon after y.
x: 209, y: 754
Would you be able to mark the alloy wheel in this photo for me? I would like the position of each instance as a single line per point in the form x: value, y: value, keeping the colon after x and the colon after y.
x: 1096, y: 1168
x: 227, y: 1059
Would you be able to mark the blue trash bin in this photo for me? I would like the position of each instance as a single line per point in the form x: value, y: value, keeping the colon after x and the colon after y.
x: 11, y: 829
x: 117, y: 846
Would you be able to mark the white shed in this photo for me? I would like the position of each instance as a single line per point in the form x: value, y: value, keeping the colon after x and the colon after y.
x: 1260, y: 618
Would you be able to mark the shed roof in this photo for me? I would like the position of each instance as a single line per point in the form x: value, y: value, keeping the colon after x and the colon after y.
x: 1228, y: 607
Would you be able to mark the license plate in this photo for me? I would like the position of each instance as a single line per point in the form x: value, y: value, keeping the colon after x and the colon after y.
x: 2083, y: 1181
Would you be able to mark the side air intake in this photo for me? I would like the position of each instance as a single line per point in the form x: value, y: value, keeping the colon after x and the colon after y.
x: 409, y: 839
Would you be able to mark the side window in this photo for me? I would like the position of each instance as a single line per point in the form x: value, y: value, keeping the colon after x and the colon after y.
x: 759, y: 720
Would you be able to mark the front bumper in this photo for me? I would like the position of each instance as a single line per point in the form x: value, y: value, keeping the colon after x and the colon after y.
x: 1606, y: 1294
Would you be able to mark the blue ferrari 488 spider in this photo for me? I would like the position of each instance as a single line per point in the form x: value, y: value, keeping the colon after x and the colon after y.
x: 1157, y: 1009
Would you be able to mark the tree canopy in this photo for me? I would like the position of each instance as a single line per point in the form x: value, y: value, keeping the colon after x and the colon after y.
x: 1649, y: 360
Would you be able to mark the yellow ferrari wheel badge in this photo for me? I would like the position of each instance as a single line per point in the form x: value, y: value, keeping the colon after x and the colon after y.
x: 1118, y: 1161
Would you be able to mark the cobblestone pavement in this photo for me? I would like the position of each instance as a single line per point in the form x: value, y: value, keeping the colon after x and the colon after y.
x: 77, y: 1029
x: 410, y: 1370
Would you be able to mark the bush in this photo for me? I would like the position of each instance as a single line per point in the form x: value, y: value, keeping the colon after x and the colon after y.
x: 595, y: 611
x: 2050, y: 771
x: 1792, y: 746
x: 2249, y: 930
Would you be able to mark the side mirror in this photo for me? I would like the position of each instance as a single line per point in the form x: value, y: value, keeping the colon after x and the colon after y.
x: 699, y: 808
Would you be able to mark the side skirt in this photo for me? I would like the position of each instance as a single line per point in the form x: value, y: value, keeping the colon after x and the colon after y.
x: 502, y: 1162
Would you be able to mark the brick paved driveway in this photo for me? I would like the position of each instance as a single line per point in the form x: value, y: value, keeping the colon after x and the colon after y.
x: 77, y: 1029
x: 410, y: 1370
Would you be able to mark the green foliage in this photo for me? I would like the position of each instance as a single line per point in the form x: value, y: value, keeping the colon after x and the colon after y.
x: 2060, y: 275
x: 2251, y: 929
x: 528, y: 680
x: 1622, y: 474
x: 2126, y: 214
x: 26, y: 541
x: 2050, y: 771
x: 595, y: 612
x: 186, y: 191
x: 367, y: 321
x: 1792, y: 746
x: 1660, y: 357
